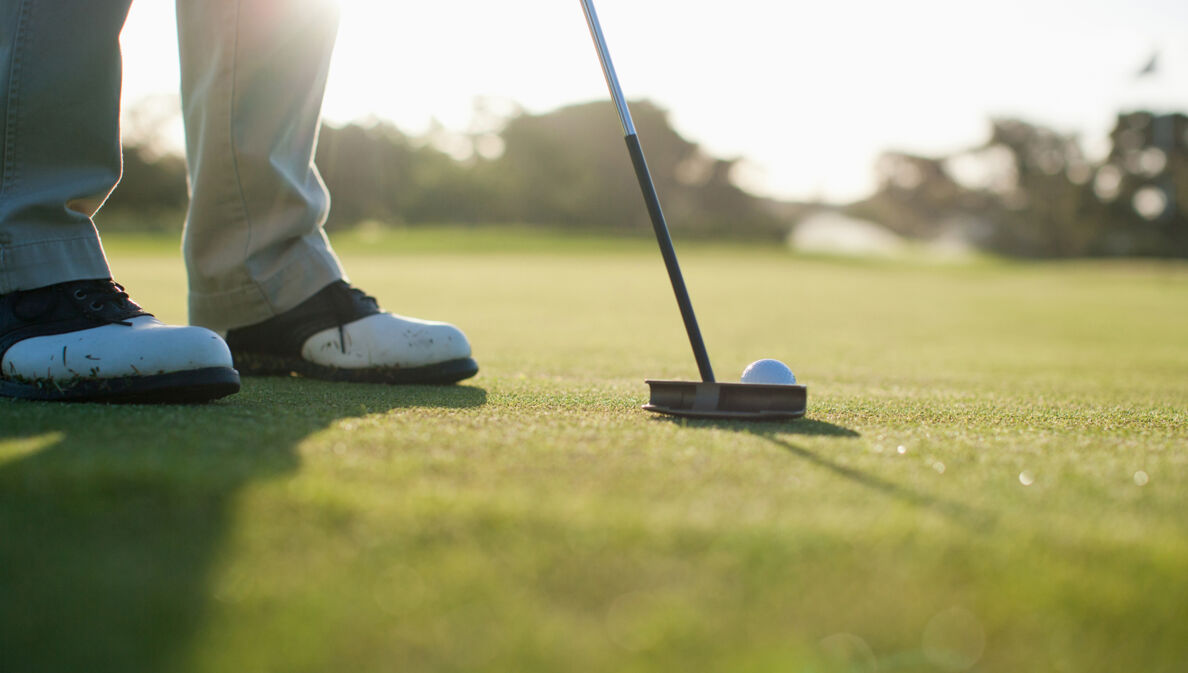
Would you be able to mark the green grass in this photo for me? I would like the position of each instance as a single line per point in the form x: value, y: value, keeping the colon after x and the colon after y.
x: 993, y: 476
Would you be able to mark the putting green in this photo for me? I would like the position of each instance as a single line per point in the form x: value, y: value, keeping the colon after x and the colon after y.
x: 992, y: 476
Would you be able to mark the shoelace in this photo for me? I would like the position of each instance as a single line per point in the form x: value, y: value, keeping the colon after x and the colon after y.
x: 344, y: 308
x: 103, y: 293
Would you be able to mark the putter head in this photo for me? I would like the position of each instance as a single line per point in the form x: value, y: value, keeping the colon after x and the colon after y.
x: 739, y: 401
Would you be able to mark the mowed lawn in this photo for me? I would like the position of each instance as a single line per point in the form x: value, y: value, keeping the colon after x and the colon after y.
x: 992, y: 476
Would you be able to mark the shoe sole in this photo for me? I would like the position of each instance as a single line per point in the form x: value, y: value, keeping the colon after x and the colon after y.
x: 188, y: 387
x: 442, y: 373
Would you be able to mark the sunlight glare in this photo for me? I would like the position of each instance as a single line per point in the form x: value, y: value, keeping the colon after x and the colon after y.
x: 16, y: 449
x: 809, y: 94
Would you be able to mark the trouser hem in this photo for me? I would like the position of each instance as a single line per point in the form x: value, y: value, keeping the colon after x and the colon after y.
x: 266, y: 297
x: 27, y: 266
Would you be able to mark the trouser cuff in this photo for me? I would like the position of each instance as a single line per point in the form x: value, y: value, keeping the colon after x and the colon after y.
x: 27, y: 266
x: 313, y: 269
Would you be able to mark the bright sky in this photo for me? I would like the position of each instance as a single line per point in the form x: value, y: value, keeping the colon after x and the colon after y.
x: 809, y: 93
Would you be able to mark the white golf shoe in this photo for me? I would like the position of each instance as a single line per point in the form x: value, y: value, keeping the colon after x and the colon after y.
x: 86, y: 340
x: 340, y: 334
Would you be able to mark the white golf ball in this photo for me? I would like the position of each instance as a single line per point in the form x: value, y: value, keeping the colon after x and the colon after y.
x: 770, y: 372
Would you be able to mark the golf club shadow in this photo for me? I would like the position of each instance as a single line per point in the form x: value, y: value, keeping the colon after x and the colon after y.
x: 804, y: 426
x: 954, y: 511
x: 775, y: 433
x: 113, y: 517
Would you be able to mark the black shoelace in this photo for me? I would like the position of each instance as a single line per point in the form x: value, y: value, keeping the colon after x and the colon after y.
x: 103, y: 294
x: 345, y: 308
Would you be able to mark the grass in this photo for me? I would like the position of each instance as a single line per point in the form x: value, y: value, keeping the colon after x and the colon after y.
x: 992, y: 477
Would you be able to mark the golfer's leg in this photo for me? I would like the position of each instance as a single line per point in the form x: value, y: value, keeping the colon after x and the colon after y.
x: 253, y: 75
x: 60, y: 151
x: 67, y: 331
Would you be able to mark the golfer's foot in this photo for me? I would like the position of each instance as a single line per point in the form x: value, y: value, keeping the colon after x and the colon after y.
x: 86, y: 340
x: 340, y: 334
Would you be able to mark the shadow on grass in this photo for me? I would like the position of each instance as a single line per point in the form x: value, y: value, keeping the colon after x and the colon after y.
x: 112, y: 517
x: 954, y: 511
x: 804, y: 426
x: 775, y: 433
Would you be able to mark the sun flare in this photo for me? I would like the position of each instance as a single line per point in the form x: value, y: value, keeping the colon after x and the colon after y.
x: 808, y: 95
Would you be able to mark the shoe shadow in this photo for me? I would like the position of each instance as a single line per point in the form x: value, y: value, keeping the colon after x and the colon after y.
x: 777, y: 433
x: 111, y: 517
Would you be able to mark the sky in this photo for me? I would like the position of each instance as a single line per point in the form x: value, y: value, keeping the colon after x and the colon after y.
x: 807, y: 93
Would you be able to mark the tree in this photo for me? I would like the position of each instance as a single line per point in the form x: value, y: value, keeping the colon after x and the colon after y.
x: 570, y: 167
x: 1032, y: 191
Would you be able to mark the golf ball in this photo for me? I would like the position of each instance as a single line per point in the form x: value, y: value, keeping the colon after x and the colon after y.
x: 770, y: 372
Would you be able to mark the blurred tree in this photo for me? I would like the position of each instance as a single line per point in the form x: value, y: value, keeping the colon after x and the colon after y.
x: 568, y: 167
x: 151, y: 195
x: 1050, y: 210
x: 1026, y: 191
x: 376, y: 172
x: 1031, y: 191
x: 1144, y: 182
x: 915, y: 195
x: 571, y: 167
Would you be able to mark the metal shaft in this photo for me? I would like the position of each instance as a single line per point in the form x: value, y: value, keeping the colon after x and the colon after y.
x: 648, y: 187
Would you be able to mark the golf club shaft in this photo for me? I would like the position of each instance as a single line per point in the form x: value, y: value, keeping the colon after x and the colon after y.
x: 648, y: 187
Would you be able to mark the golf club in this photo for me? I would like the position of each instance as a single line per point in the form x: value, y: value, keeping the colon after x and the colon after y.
x: 707, y: 398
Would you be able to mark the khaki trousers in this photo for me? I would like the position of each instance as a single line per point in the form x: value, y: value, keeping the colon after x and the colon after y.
x: 253, y: 75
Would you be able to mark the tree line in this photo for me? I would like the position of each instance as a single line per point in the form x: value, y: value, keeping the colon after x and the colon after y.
x: 1030, y: 191
x: 567, y: 168
x: 1026, y: 191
